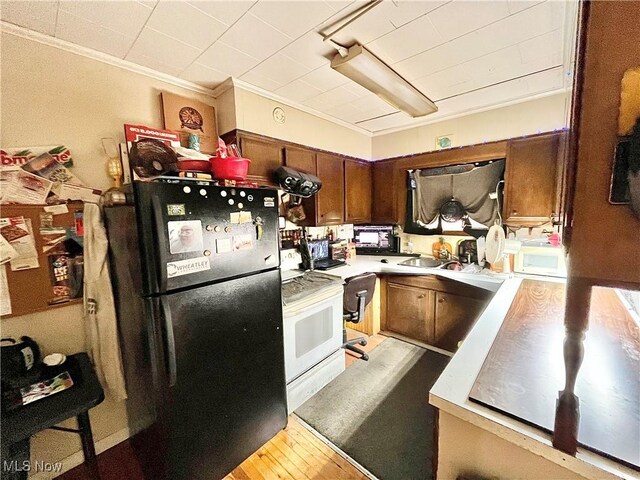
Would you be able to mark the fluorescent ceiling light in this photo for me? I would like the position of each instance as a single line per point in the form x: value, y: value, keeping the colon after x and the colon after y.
x: 364, y: 68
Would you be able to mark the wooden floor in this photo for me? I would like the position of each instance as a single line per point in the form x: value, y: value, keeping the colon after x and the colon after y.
x: 372, y: 342
x: 295, y: 453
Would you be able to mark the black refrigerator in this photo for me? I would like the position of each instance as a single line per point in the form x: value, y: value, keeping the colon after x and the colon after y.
x: 196, y: 276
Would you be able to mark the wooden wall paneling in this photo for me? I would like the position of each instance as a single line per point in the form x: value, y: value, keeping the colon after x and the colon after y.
x: 330, y: 198
x: 30, y: 290
x: 357, y: 191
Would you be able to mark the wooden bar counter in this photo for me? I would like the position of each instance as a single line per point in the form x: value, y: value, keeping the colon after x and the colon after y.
x: 511, y: 364
x: 524, y: 369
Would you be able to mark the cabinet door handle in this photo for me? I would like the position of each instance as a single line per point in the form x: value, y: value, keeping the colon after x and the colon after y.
x: 422, y: 295
x: 440, y: 300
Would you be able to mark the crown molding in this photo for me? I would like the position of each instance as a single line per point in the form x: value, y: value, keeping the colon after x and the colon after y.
x: 237, y: 83
x: 21, y: 32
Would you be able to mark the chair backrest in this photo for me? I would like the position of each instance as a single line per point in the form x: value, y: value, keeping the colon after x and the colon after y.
x: 365, y: 282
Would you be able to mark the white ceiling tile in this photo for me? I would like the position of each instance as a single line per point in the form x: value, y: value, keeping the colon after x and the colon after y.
x: 346, y: 112
x: 444, y: 83
x: 413, y: 38
x: 146, y: 61
x: 88, y: 34
x: 148, y: 3
x: 542, y: 18
x: 298, y: 91
x: 164, y: 49
x: 224, y: 58
x: 393, y: 120
x: 34, y: 15
x: 373, y: 106
x: 281, y: 69
x: 310, y: 50
x: 185, y: 23
x: 203, y: 75
x: 126, y: 17
x: 544, y: 45
x: 457, y: 18
x: 356, y: 89
x: 292, y: 18
x: 254, y: 37
x: 546, y: 81
x: 227, y: 12
x: 516, y: 6
x: 497, y: 61
x: 260, y: 81
x: 338, y: 5
x: 325, y: 78
x: 366, y: 28
x: 401, y: 12
x: 330, y: 99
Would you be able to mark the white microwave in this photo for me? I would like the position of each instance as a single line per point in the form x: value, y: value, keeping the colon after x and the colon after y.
x: 541, y: 260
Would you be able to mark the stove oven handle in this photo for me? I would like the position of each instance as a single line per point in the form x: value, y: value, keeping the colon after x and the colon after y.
x: 170, y: 341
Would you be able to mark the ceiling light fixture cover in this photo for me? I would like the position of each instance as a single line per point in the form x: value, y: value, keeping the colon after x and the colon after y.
x: 364, y: 68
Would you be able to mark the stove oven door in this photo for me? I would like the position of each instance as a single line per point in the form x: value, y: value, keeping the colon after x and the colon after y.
x: 312, y: 332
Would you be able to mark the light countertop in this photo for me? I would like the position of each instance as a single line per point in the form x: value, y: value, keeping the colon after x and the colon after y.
x: 369, y: 263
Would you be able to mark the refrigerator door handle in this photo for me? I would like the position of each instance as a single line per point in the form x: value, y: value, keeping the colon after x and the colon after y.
x: 160, y: 241
x: 170, y: 342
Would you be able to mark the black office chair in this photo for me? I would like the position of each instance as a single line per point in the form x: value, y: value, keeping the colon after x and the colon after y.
x: 358, y: 292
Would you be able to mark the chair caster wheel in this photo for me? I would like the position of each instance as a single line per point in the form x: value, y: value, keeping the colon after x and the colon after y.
x: 363, y: 343
x: 365, y: 357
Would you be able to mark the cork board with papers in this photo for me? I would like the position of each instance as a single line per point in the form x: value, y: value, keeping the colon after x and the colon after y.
x: 41, y: 256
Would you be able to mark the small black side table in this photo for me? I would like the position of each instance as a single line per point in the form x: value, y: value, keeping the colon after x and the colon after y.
x: 20, y: 424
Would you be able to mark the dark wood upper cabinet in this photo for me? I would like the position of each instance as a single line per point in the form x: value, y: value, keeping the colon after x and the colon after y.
x: 357, y: 181
x: 300, y: 159
x: 330, y: 198
x: 531, y: 180
x: 384, y: 195
x: 265, y: 155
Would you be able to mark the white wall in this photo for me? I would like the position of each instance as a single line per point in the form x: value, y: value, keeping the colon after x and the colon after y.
x: 464, y: 448
x: 535, y: 116
x: 51, y: 96
x: 254, y: 113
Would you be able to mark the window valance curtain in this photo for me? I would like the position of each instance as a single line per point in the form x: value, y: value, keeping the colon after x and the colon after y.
x: 470, y: 186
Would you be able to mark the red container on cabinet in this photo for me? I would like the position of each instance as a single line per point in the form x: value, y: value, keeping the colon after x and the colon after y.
x: 229, y: 168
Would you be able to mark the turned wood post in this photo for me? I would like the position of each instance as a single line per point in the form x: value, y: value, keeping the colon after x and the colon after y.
x: 576, y: 323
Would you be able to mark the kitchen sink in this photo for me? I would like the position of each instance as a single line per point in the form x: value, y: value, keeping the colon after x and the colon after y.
x: 422, y: 262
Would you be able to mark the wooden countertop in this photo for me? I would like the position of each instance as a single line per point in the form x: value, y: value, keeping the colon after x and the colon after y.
x: 524, y: 369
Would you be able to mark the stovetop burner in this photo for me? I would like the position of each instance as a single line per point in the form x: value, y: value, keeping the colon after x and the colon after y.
x: 306, y: 284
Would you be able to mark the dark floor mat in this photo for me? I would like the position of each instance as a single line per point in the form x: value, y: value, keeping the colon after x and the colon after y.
x: 378, y: 412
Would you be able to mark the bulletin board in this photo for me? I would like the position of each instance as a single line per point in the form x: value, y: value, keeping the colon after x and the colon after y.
x: 31, y: 290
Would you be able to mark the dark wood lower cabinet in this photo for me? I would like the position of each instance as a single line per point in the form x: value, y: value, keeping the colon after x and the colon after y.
x: 454, y: 317
x: 410, y: 311
x: 431, y: 311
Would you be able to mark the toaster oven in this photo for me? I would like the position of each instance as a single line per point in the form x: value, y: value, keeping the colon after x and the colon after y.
x: 541, y: 260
